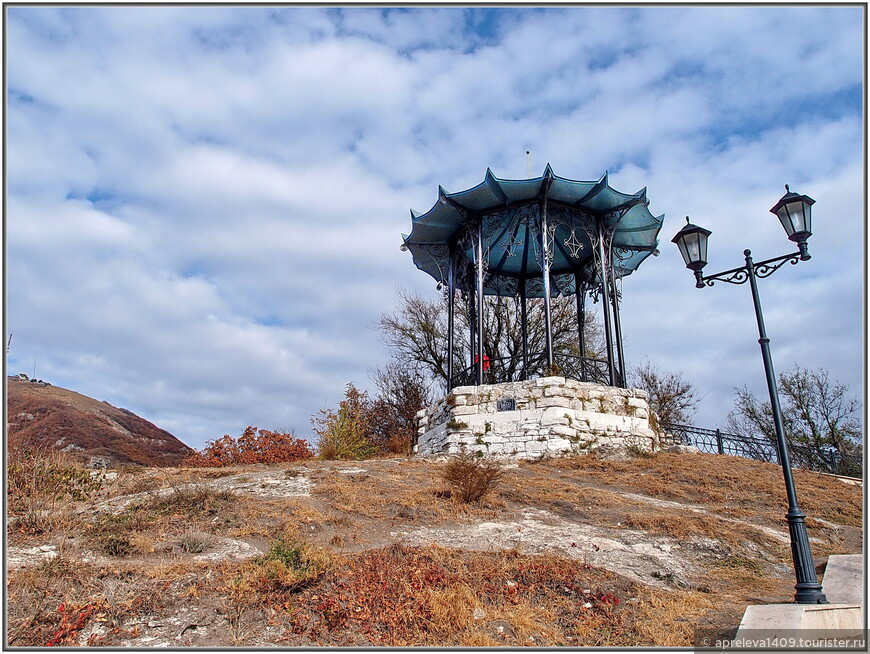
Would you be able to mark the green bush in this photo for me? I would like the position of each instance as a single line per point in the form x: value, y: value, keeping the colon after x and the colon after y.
x: 191, y: 501
x: 289, y: 565
x: 112, y: 533
x: 343, y: 433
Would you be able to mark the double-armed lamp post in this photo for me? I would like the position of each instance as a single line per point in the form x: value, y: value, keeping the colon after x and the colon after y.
x: 794, y: 212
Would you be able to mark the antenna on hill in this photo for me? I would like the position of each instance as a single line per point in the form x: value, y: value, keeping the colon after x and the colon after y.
x: 8, y: 343
x: 529, y: 163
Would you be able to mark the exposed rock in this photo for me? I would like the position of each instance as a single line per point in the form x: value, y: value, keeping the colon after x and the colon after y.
x: 682, y: 449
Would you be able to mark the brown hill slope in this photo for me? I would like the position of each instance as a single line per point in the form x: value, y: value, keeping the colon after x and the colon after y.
x: 43, y: 416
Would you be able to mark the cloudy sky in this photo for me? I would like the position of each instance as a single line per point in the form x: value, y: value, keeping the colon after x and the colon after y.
x: 204, y: 204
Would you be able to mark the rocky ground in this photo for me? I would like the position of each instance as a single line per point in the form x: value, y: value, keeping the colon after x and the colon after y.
x: 180, y: 557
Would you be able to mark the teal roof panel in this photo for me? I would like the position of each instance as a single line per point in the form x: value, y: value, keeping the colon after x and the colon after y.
x: 510, y: 211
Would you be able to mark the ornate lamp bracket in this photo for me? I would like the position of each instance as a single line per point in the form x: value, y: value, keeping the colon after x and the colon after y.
x: 740, y: 275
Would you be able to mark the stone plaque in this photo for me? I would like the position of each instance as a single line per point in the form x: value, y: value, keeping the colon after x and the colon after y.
x: 506, y: 404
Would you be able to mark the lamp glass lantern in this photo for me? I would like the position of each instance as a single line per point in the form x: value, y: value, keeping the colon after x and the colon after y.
x: 795, y: 213
x: 692, y: 241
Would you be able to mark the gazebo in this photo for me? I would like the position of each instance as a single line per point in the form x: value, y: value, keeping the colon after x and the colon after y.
x: 536, y: 239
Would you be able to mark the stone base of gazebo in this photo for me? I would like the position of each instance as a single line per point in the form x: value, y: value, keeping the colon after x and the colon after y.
x: 549, y: 416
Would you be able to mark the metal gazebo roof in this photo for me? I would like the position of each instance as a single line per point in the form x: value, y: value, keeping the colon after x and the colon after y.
x: 510, y: 210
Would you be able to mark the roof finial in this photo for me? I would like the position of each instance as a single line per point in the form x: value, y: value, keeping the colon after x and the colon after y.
x: 787, y: 189
x: 529, y: 163
x: 687, y: 220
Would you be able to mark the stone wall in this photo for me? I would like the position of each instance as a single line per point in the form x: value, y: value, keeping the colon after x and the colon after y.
x: 549, y: 416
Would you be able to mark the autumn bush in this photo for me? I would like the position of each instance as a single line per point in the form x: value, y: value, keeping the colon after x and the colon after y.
x: 363, y: 427
x: 253, y: 446
x: 343, y: 432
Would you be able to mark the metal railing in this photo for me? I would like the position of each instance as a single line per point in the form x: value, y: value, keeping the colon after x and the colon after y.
x: 508, y: 369
x: 716, y: 441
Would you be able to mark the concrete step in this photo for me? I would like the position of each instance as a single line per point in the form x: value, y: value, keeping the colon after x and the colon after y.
x: 843, y: 585
x: 843, y: 581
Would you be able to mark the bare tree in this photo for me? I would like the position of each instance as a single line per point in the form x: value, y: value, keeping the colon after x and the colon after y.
x: 672, y: 398
x: 417, y: 332
x: 402, y: 390
x: 819, y: 419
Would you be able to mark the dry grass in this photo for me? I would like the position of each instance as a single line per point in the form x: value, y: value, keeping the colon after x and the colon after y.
x: 43, y: 489
x: 402, y: 596
x: 410, y: 493
x: 732, y: 485
x: 317, y: 586
x: 49, y: 604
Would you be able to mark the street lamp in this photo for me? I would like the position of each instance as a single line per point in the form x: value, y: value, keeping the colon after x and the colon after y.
x: 794, y: 212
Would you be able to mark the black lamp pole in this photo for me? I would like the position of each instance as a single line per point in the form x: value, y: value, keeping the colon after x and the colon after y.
x: 794, y: 213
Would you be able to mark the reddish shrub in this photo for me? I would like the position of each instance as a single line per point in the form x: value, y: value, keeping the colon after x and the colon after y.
x: 253, y: 446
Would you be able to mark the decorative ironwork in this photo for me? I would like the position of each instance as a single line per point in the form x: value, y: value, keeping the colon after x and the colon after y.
x: 521, y: 214
x: 511, y: 244
x: 535, y: 287
x: 767, y: 268
x: 808, y: 589
x: 524, y: 244
x: 491, y: 225
x: 574, y: 244
x: 761, y: 269
x: 739, y: 276
x: 564, y: 283
x: 440, y: 256
x: 716, y: 441
x: 548, y: 245
x: 503, y: 285
x: 559, y: 215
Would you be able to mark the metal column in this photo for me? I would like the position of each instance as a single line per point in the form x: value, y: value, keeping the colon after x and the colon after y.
x: 545, y: 271
x: 479, y: 270
x: 471, y: 324
x: 580, y: 292
x: 808, y: 589
x: 617, y: 327
x: 450, y: 294
x: 524, y: 327
x: 605, y: 265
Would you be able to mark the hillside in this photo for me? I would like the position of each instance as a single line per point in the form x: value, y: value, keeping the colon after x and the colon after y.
x: 42, y: 416
x: 577, y: 551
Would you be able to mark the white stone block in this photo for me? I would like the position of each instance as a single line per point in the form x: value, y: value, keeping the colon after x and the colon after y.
x: 465, y: 410
x: 549, y: 402
x: 549, y: 423
x: 558, y: 444
x: 464, y: 390
x: 561, y: 430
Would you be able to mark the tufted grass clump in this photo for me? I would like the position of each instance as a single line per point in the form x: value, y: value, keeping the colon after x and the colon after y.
x: 470, y: 477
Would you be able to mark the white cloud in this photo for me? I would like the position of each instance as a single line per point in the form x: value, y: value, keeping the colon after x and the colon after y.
x: 204, y: 203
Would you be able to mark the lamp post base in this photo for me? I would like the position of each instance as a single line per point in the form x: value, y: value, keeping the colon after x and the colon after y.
x: 809, y: 590
x: 809, y: 594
